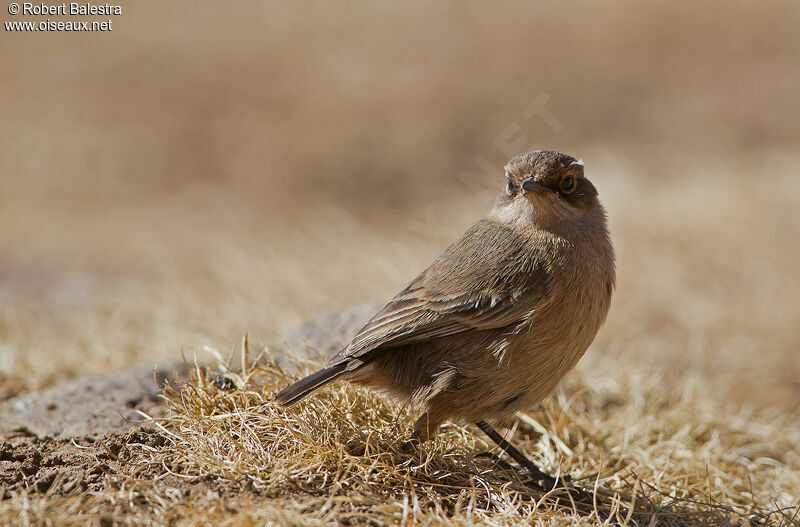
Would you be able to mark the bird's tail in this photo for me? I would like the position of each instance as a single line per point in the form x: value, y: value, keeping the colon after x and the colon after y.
x: 295, y: 392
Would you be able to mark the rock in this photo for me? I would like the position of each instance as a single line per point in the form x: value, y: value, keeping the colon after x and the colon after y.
x: 108, y: 404
x: 323, y: 336
x: 93, y: 405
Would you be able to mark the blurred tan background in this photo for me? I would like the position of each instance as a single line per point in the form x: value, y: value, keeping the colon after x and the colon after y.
x: 206, y: 170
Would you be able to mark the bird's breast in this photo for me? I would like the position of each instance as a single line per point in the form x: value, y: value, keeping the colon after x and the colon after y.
x: 555, y: 336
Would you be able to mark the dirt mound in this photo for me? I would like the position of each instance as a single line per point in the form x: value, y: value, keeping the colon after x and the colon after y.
x: 79, y: 434
x: 94, y: 405
x: 60, y: 466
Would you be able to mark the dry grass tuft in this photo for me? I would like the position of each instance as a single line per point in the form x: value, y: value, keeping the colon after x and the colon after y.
x: 334, y: 456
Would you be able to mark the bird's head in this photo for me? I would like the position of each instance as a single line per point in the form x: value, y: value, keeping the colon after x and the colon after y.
x: 546, y: 187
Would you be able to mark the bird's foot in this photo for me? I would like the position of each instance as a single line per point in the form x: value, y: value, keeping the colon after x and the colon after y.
x: 410, y: 446
x: 561, y: 485
x: 544, y: 481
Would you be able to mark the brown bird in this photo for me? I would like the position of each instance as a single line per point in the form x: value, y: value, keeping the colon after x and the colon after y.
x: 500, y: 316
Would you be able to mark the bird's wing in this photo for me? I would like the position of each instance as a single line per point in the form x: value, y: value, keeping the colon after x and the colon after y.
x: 489, y: 278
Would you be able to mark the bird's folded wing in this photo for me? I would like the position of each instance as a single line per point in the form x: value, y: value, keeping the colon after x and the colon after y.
x: 488, y: 279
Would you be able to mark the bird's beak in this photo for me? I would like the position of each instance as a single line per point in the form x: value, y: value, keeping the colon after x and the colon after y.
x: 531, y: 185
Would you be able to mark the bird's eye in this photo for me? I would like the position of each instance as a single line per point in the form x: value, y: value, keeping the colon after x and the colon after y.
x: 567, y: 185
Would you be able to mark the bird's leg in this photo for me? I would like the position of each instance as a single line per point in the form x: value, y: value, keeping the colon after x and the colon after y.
x: 427, y: 425
x: 424, y: 428
x: 519, y: 457
x: 542, y: 480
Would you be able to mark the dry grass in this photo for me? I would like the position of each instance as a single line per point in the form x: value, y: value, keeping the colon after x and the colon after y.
x: 335, y: 455
x: 334, y: 459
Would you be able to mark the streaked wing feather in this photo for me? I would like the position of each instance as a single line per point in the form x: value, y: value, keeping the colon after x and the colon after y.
x: 471, y: 286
